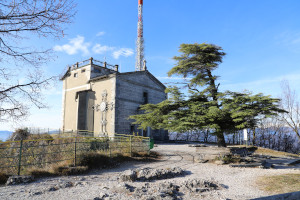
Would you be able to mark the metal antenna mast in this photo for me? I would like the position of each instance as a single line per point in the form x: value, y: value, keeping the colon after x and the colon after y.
x: 139, y: 66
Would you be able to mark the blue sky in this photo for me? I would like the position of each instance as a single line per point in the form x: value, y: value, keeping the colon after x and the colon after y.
x: 261, y: 39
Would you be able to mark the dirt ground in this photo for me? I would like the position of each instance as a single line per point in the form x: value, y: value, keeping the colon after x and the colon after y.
x: 234, y: 182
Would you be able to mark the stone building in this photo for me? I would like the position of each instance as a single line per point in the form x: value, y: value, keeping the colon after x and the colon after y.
x: 98, y: 98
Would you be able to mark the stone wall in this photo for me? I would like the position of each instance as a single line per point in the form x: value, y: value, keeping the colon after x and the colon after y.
x: 130, y: 95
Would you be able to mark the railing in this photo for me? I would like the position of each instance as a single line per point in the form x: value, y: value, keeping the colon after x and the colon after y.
x: 90, y: 61
x: 105, y: 64
x: 17, y: 156
x: 95, y: 62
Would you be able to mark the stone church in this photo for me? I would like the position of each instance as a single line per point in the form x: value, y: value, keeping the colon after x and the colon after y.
x: 99, y: 98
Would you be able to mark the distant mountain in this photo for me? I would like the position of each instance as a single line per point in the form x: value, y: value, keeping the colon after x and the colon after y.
x: 4, y: 135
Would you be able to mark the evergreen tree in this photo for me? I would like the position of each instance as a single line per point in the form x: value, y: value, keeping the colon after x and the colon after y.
x: 205, y: 107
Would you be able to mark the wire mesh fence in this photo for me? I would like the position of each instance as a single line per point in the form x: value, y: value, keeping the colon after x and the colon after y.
x: 17, y: 156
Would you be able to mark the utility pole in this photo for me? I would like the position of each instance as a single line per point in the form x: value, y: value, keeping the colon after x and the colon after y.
x: 139, y: 66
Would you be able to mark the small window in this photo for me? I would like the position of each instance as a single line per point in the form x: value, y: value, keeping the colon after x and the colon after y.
x: 83, y: 70
x: 145, y: 96
x: 75, y: 75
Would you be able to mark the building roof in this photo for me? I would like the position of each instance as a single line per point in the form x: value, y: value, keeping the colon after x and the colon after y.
x: 146, y: 72
x: 112, y: 72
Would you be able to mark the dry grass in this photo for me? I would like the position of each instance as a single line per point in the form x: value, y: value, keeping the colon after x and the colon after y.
x: 279, y: 184
x: 266, y: 151
x: 57, y: 169
x: 271, y: 152
x: 86, y: 161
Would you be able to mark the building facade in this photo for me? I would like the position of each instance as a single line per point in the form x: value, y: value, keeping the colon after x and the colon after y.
x: 98, y: 98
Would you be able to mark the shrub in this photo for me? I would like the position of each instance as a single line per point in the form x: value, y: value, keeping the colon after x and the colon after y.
x: 20, y: 134
x: 38, y: 173
x: 228, y: 158
x: 98, y: 144
x: 93, y: 160
x: 3, y: 178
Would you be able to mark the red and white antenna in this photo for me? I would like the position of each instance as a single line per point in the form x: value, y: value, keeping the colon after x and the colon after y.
x: 140, y: 63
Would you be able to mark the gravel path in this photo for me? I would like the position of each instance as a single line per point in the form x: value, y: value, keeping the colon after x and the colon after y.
x: 235, y: 183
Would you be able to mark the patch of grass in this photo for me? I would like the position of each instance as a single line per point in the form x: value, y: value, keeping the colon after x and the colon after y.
x: 86, y: 161
x: 145, y: 157
x: 64, y: 168
x: 266, y: 151
x: 271, y: 152
x: 279, y: 184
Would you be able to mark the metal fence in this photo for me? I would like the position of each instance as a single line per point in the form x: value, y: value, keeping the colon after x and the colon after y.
x: 17, y: 156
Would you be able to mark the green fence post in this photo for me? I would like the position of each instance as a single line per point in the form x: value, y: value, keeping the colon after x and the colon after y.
x: 75, y: 145
x: 149, y: 146
x: 20, y: 157
x: 109, y: 147
x: 130, y: 143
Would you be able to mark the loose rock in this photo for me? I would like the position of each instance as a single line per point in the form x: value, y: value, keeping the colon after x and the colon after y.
x: 14, y: 180
x: 147, y: 174
x: 128, y: 175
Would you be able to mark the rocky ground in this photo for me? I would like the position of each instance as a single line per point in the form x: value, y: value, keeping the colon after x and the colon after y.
x: 181, y: 173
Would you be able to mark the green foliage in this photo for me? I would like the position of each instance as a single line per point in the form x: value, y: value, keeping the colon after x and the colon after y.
x: 206, y: 107
x: 197, y: 61
x: 246, y: 109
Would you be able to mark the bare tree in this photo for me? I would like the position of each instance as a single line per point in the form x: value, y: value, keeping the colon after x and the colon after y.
x: 40, y: 17
x: 16, y: 97
x: 272, y: 133
x: 291, y: 105
x: 20, y: 20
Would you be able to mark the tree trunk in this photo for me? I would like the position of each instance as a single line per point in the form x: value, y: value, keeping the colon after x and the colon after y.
x: 221, y: 140
x: 254, y: 136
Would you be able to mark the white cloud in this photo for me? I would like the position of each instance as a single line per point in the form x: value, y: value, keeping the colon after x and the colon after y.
x: 101, y: 33
x: 75, y: 46
x: 122, y: 52
x: 99, y: 49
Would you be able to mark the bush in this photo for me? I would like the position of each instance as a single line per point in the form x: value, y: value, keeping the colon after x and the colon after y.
x: 227, y: 159
x: 38, y: 173
x: 20, y: 134
x: 98, y: 144
x: 93, y: 160
x: 3, y: 178
x: 66, y: 171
